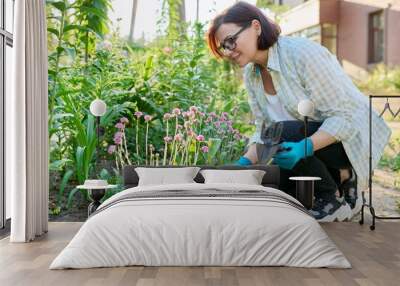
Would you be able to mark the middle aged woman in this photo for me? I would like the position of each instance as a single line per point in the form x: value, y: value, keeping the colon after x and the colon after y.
x: 281, y: 71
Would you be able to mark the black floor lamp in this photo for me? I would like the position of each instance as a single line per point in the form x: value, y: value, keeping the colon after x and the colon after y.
x: 305, y: 185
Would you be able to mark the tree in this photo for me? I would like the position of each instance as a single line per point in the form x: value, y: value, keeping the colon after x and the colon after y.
x: 176, y: 17
x: 133, y: 17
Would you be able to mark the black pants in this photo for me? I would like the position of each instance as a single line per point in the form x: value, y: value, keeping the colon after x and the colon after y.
x: 325, y: 163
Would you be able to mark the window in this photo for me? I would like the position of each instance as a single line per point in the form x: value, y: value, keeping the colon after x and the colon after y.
x: 376, y: 37
x: 6, y: 43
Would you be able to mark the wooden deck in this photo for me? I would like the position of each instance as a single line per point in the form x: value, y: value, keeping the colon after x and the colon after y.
x: 375, y: 257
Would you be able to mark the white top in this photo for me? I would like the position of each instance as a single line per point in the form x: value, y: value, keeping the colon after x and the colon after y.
x: 93, y: 187
x: 276, y: 110
x: 305, y: 178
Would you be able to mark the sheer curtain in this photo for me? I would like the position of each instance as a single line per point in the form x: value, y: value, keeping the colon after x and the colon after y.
x: 26, y: 124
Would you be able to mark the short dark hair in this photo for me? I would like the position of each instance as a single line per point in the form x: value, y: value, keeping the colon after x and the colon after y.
x: 241, y: 14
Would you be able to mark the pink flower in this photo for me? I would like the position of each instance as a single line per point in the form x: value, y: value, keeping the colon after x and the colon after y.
x: 237, y: 136
x: 124, y: 120
x: 179, y: 126
x: 178, y: 137
x: 230, y: 128
x: 167, y: 50
x: 111, y: 149
x: 148, y: 118
x: 229, y: 122
x: 191, y: 133
x: 204, y: 149
x: 212, y: 114
x: 117, y: 140
x: 167, y: 139
x: 167, y: 116
x: 200, y: 138
x: 193, y: 109
x: 120, y: 125
x: 176, y: 111
x: 202, y: 114
x: 118, y: 134
x: 192, y: 114
x: 185, y: 114
x: 217, y: 124
x: 138, y: 114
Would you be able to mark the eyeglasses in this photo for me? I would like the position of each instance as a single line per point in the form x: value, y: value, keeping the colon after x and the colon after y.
x: 229, y: 44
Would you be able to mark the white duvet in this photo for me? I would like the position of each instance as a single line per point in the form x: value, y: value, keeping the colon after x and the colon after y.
x: 200, y: 231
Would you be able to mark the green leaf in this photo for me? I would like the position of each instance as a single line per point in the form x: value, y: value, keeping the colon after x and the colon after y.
x: 71, y: 196
x: 58, y: 164
x: 53, y: 31
x: 60, y: 5
x: 63, y: 184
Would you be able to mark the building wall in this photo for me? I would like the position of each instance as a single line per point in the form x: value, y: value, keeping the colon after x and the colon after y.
x: 353, y: 34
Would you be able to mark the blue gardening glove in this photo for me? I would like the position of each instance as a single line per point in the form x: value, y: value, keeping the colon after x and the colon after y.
x: 243, y: 161
x: 294, y: 152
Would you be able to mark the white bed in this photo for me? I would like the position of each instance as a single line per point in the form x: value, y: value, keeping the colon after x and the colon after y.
x: 202, y: 231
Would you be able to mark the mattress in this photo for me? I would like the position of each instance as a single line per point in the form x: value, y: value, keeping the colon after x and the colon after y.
x: 201, y: 225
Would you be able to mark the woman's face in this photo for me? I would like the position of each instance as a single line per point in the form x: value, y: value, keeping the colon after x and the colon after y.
x: 246, y: 42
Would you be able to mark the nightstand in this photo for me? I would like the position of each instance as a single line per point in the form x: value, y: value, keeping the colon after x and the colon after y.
x: 305, y: 190
x: 96, y: 193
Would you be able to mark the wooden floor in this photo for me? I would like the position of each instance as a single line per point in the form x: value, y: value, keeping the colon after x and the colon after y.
x: 375, y: 257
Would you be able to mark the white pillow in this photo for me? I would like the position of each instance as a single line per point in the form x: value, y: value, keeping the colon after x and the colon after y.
x: 248, y: 177
x: 166, y: 176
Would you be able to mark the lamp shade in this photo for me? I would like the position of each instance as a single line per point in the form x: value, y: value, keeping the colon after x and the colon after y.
x: 305, y: 107
x: 98, y: 107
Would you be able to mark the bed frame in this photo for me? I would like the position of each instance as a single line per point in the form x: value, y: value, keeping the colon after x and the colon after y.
x: 270, y: 179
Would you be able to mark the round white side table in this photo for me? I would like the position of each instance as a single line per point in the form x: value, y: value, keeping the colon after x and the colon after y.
x: 305, y: 190
x: 96, y: 193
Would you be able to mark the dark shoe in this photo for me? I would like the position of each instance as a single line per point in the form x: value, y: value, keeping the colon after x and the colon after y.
x: 336, y: 209
x: 349, y: 190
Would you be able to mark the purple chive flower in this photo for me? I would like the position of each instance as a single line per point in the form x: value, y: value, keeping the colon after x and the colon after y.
x: 138, y: 114
x: 178, y: 137
x: 179, y: 126
x: 212, y: 114
x: 120, y: 125
x: 167, y: 116
x: 217, y: 124
x: 237, y: 136
x: 148, y: 118
x: 193, y: 109
x: 124, y: 120
x: 204, y: 149
x: 200, y: 138
x: 167, y: 139
x: 118, y: 134
x: 202, y: 114
x: 117, y: 140
x: 191, y: 133
x: 111, y: 149
x: 176, y: 111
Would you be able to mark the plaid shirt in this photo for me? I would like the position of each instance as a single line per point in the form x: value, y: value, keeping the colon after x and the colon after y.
x: 302, y: 69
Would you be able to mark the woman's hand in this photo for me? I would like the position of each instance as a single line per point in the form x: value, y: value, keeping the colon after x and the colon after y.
x: 295, y: 152
x: 249, y: 158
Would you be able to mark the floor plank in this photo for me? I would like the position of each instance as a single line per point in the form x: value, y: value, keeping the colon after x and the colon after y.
x: 374, y: 255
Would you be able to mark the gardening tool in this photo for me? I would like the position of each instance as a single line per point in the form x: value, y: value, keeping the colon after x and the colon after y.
x: 270, y: 137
